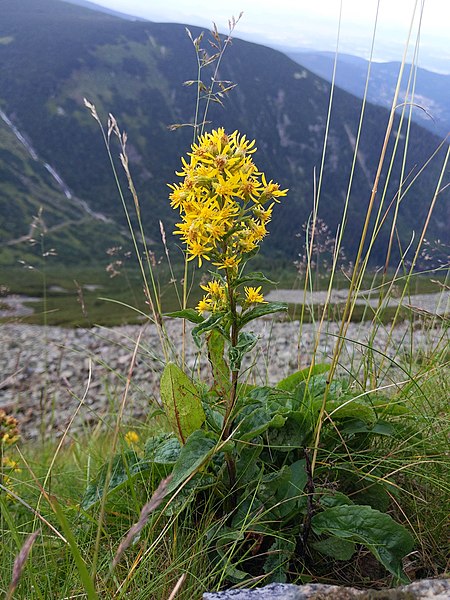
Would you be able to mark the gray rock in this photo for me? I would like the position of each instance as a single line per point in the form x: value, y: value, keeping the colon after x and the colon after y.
x: 438, y: 589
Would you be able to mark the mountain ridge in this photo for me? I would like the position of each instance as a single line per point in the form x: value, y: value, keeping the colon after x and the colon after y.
x: 431, y: 102
x: 135, y: 70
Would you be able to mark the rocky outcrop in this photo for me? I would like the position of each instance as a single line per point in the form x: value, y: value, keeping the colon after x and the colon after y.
x: 438, y: 589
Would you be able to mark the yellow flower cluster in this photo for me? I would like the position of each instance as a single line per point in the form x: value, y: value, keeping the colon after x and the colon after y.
x: 222, y: 200
x: 215, y: 298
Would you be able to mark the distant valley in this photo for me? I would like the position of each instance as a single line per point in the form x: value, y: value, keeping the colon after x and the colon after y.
x: 53, y: 54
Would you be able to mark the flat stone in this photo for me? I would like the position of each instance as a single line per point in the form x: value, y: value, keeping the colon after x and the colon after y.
x: 438, y: 589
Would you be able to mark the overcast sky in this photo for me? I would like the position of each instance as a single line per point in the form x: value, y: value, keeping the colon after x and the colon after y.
x: 314, y: 23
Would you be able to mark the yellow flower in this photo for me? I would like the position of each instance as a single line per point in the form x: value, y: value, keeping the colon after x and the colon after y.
x: 253, y: 295
x: 228, y: 262
x: 131, y: 438
x: 204, y: 305
x: 214, y: 287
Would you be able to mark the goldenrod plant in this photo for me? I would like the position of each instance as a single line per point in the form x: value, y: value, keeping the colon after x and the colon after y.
x: 245, y: 450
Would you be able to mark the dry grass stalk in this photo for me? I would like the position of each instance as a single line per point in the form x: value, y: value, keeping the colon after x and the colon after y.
x: 19, y: 563
x: 147, y: 509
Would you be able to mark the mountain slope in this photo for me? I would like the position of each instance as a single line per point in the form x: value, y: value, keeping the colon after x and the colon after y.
x: 54, y: 54
x: 38, y: 213
x: 431, y: 93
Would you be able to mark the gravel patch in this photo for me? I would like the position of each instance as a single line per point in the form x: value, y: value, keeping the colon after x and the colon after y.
x: 46, y: 374
x: 437, y: 303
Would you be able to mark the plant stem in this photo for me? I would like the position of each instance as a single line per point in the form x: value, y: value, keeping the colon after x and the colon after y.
x: 231, y: 400
x: 234, y: 374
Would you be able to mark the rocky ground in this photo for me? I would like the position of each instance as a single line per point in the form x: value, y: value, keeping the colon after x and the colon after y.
x: 48, y: 374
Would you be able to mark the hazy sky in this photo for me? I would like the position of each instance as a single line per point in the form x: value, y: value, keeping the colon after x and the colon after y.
x: 314, y: 23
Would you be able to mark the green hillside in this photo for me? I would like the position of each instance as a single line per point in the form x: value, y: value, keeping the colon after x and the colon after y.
x: 54, y: 54
x: 36, y: 216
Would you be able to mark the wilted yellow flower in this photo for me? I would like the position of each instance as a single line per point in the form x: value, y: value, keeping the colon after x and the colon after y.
x: 11, y: 465
x: 9, y: 429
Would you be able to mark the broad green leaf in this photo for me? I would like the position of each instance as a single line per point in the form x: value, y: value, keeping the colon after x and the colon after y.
x: 197, y: 451
x: 163, y: 449
x: 277, y: 561
x: 212, y: 322
x: 246, y: 341
x: 267, y: 395
x: 388, y: 541
x: 281, y: 492
x: 214, y: 418
x: 335, y: 547
x: 389, y: 406
x: 345, y: 408
x: 220, y: 368
x: 189, y: 314
x: 258, y: 421
x: 356, y: 426
x: 181, y: 402
x: 291, y: 382
x: 329, y: 498
x: 375, y: 495
x: 373, y: 490
x: 256, y: 276
x: 291, y: 436
x: 226, y: 546
x: 247, y: 465
x: 261, y: 310
x: 293, y: 498
x: 124, y: 468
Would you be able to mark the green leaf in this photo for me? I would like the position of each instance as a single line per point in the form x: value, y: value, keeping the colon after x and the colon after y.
x: 163, y: 449
x: 220, y: 368
x: 258, y: 421
x: 389, y: 406
x: 197, y: 451
x: 329, y: 498
x: 356, y: 426
x: 189, y: 314
x: 181, y: 402
x: 335, y: 547
x: 256, y: 276
x: 226, y: 546
x: 124, y: 468
x: 388, y: 541
x: 246, y: 341
x: 247, y: 466
x: 291, y: 382
x: 291, y: 436
x: 260, y: 310
x: 292, y: 498
x: 345, y: 408
x: 214, y: 418
x: 277, y: 561
x: 212, y: 322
